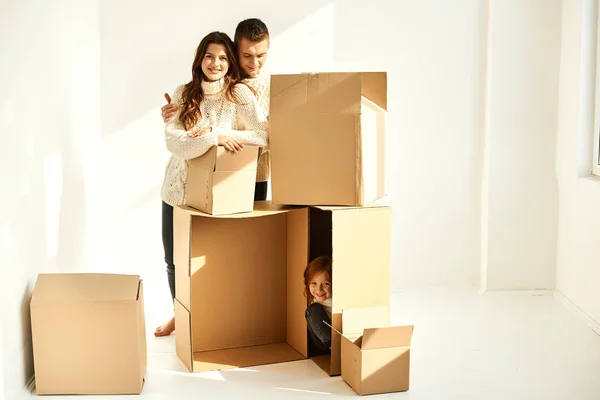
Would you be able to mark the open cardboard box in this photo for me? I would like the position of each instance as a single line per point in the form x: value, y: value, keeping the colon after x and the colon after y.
x: 220, y: 182
x: 359, y: 242
x: 375, y: 356
x: 88, y: 333
x: 239, y: 280
x: 327, y: 136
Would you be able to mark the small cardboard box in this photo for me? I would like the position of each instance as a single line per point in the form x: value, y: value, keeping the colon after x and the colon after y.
x: 239, y: 280
x: 375, y: 356
x: 220, y: 182
x: 327, y: 138
x: 88, y: 333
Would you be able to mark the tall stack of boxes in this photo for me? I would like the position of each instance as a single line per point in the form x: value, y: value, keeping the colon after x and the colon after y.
x: 239, y: 264
x: 239, y: 276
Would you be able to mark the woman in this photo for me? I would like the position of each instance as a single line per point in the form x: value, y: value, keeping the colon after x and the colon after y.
x: 215, y: 109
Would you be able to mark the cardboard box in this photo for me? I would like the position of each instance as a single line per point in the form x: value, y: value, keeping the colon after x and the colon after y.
x: 359, y: 242
x: 239, y: 280
x: 327, y: 138
x: 375, y: 356
x: 89, y: 334
x: 220, y: 182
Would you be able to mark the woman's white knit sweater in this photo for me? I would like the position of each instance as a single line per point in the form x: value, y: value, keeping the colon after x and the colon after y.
x: 243, y: 120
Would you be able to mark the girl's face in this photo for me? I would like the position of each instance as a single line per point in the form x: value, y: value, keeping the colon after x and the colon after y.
x: 320, y: 287
x: 215, y: 63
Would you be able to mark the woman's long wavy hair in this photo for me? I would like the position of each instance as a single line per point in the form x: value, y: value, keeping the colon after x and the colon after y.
x: 192, y: 94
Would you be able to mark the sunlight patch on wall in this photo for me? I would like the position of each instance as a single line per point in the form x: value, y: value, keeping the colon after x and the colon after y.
x: 126, y: 235
x: 53, y: 185
x: 306, y: 46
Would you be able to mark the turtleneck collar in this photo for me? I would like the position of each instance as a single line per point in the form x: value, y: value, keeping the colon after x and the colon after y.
x: 213, y: 87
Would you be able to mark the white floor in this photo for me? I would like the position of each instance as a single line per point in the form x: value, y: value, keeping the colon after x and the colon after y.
x: 507, y: 345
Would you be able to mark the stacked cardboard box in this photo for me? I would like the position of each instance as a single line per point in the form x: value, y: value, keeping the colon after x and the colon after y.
x: 239, y: 279
x: 327, y: 137
x: 239, y: 276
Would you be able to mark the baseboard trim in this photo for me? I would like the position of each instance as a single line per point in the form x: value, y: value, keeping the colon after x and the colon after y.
x: 31, y: 384
x: 577, y: 311
x: 531, y: 292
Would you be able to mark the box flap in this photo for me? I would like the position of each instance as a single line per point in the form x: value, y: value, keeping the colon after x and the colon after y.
x: 261, y: 209
x: 217, y: 158
x: 245, y: 160
x: 383, y: 338
x: 208, y: 159
x: 61, y: 287
x: 374, y: 87
x: 318, y: 93
x: 356, y: 320
x: 244, y: 357
x: 379, y: 203
x: 183, y: 335
x: 297, y: 258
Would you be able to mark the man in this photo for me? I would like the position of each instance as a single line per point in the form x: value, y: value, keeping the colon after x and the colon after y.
x: 252, y: 42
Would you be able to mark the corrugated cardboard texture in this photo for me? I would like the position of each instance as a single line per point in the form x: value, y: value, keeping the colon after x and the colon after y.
x: 245, y: 291
x: 221, y: 182
x: 327, y: 134
x: 77, y: 349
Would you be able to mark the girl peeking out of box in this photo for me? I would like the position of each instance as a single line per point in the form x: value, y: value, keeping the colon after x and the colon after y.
x: 317, y: 281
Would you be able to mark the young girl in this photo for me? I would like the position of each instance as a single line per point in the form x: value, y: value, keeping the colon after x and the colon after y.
x: 317, y: 279
x: 214, y: 109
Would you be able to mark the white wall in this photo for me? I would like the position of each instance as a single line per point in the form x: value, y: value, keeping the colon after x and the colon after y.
x: 434, y: 53
x: 578, y: 251
x: 519, y: 215
x: 49, y: 115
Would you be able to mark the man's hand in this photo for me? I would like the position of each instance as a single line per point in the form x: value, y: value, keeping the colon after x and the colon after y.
x: 168, y: 110
x: 229, y: 143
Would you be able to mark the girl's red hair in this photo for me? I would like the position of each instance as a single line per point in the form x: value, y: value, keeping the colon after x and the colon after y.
x: 316, y: 266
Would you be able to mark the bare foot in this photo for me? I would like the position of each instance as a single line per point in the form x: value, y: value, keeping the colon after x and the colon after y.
x: 166, y: 329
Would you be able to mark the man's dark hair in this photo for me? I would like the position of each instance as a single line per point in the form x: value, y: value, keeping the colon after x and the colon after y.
x: 252, y: 29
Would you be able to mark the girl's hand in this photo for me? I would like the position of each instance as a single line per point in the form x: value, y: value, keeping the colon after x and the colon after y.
x: 200, y: 132
x: 229, y: 143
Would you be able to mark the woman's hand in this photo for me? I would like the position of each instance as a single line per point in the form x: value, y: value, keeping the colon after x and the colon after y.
x: 229, y: 143
x: 200, y: 132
